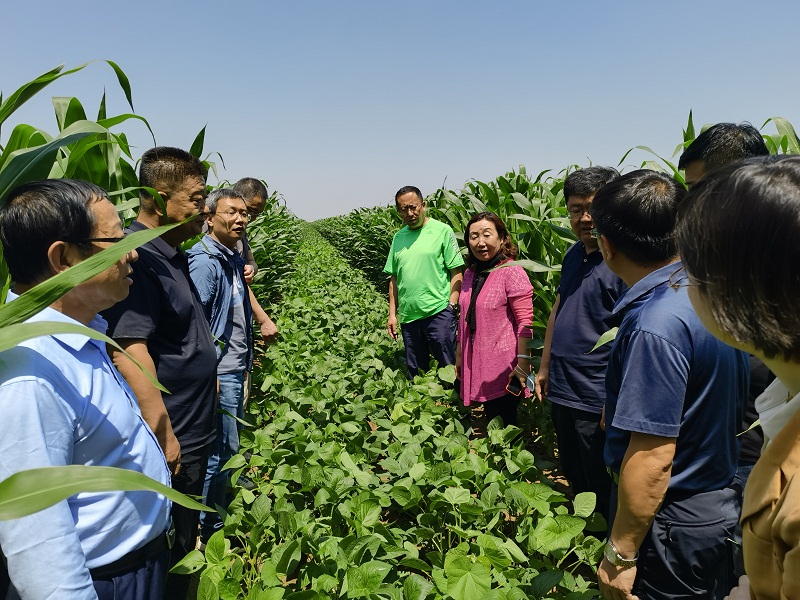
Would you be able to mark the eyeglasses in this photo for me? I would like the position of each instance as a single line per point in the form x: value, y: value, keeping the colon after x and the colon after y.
x: 232, y: 214
x: 409, y: 209
x: 594, y: 233
x: 110, y: 240
x: 679, y: 278
x: 578, y: 213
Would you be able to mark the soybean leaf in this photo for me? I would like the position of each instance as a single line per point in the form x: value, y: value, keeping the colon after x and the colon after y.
x: 584, y: 504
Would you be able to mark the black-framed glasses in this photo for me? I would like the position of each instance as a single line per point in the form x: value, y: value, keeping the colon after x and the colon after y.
x: 410, y: 208
x: 594, y: 233
x: 110, y: 240
x: 679, y: 278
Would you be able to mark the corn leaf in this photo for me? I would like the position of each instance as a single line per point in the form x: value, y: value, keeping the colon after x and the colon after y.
x: 28, y: 492
x: 47, y: 292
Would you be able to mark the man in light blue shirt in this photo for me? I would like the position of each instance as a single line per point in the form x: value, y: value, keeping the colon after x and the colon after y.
x: 62, y: 402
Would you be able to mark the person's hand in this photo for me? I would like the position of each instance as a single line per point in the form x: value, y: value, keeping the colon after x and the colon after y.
x: 391, y: 326
x: 249, y: 272
x: 521, y: 376
x: 172, y: 452
x: 616, y: 583
x: 269, y: 331
x: 741, y: 591
x: 542, y: 387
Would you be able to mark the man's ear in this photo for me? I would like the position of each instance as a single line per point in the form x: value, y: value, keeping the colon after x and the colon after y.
x: 160, y: 210
x: 60, y: 256
x: 608, y: 247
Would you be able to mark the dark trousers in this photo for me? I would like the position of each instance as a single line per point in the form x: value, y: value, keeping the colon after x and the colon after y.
x: 144, y: 583
x: 685, y: 553
x: 189, y: 480
x: 504, y: 407
x: 432, y: 335
x: 580, y: 449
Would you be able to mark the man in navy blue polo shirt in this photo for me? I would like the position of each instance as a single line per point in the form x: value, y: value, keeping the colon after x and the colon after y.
x: 674, y: 397
x: 161, y: 325
x: 570, y: 375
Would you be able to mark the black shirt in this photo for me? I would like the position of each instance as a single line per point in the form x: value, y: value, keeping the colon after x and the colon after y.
x: 163, y: 308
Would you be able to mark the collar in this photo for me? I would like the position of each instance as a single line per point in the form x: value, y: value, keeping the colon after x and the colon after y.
x: 75, y: 341
x: 775, y: 409
x: 157, y: 244
x: 647, y: 284
x: 217, y: 245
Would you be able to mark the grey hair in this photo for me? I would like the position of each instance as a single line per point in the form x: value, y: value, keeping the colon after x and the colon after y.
x: 214, y: 197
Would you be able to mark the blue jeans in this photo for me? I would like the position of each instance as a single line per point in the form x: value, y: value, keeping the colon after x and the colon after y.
x: 225, y: 446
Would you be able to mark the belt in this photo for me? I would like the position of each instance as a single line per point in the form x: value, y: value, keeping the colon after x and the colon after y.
x: 135, y: 559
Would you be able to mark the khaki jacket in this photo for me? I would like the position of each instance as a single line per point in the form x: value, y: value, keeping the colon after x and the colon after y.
x: 771, y: 518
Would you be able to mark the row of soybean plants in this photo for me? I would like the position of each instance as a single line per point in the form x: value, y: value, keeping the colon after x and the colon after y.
x: 274, y: 238
x: 363, y: 237
x: 366, y: 483
x: 534, y: 212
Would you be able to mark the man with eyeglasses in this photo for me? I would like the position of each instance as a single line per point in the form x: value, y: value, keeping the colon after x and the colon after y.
x: 674, y: 397
x: 159, y: 325
x: 62, y: 402
x: 572, y: 375
x: 217, y: 270
x: 425, y: 269
x: 255, y: 196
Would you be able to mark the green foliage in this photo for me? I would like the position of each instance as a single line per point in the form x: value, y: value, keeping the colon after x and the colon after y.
x: 363, y: 237
x: 30, y: 491
x: 367, y: 485
x: 82, y: 149
x: 275, y: 239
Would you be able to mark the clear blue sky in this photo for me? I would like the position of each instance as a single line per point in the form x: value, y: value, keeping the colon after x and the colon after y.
x: 339, y: 104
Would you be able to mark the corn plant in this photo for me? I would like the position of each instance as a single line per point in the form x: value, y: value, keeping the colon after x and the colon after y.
x: 82, y: 149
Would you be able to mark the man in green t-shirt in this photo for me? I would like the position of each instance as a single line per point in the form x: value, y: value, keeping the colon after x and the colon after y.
x: 425, y: 267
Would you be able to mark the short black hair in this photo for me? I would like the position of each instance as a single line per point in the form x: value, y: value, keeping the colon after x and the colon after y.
x: 638, y: 212
x: 40, y: 213
x: 250, y: 187
x: 586, y: 182
x: 166, y: 168
x: 738, y: 237
x: 722, y: 144
x: 408, y: 189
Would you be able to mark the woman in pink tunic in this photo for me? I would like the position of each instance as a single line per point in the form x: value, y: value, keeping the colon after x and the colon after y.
x: 496, y: 305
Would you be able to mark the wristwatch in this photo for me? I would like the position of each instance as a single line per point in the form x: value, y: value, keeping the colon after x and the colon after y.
x: 615, y: 558
x: 453, y: 306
